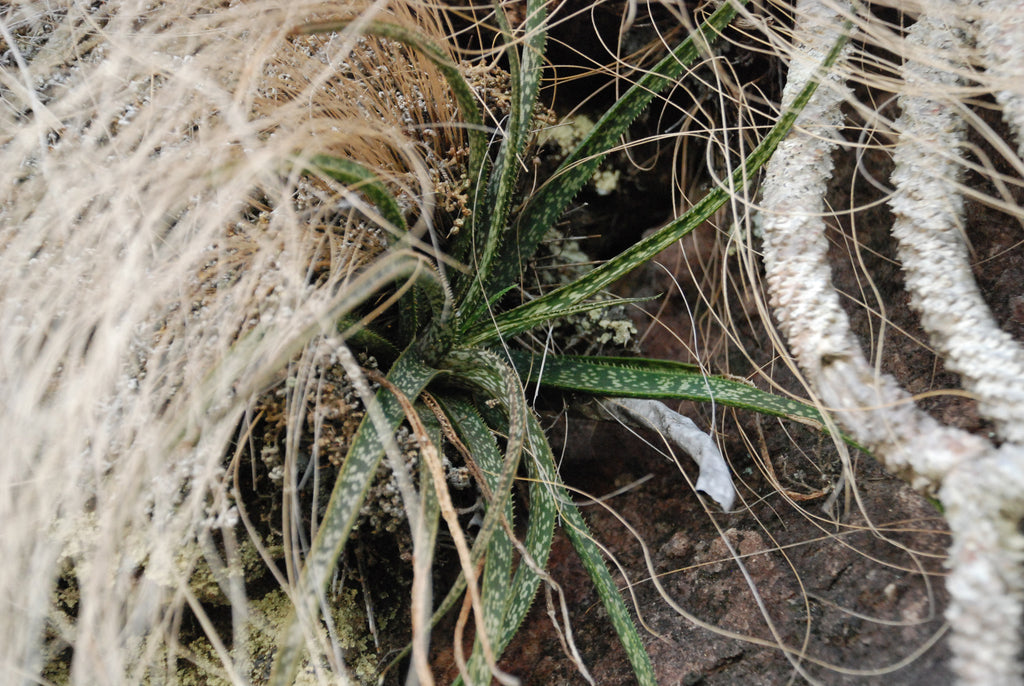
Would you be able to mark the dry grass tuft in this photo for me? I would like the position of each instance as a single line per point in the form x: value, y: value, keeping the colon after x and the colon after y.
x: 163, y: 260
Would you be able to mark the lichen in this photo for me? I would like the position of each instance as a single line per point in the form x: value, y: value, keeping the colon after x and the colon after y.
x: 267, y: 619
x: 605, y: 182
x: 566, y: 135
x: 561, y: 259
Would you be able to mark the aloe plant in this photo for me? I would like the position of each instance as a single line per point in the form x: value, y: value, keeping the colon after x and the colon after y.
x: 457, y: 341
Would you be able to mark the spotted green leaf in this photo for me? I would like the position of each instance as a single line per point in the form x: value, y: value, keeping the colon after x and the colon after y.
x: 552, y: 304
x: 540, y: 533
x: 548, y: 501
x: 552, y: 495
x: 424, y: 537
x: 511, y: 600
x: 524, y: 72
x: 540, y: 317
x: 410, y: 377
x: 359, y: 178
x: 629, y: 377
x: 549, y: 202
x: 366, y: 337
x: 498, y: 567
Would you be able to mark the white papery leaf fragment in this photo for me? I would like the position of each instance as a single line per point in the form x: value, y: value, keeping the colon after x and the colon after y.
x: 714, y: 478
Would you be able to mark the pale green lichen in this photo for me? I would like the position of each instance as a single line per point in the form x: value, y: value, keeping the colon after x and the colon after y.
x: 617, y: 331
x: 267, y: 618
x: 605, y: 182
x: 206, y: 584
x: 566, y: 135
x: 600, y: 327
x: 586, y: 332
x: 199, y: 664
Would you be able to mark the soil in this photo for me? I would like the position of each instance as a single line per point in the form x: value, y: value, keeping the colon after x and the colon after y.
x: 839, y: 593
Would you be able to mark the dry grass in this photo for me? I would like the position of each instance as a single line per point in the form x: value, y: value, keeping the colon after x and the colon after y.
x: 163, y: 260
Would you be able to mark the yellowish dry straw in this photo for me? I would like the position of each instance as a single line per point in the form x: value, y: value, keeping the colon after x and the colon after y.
x: 156, y: 245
